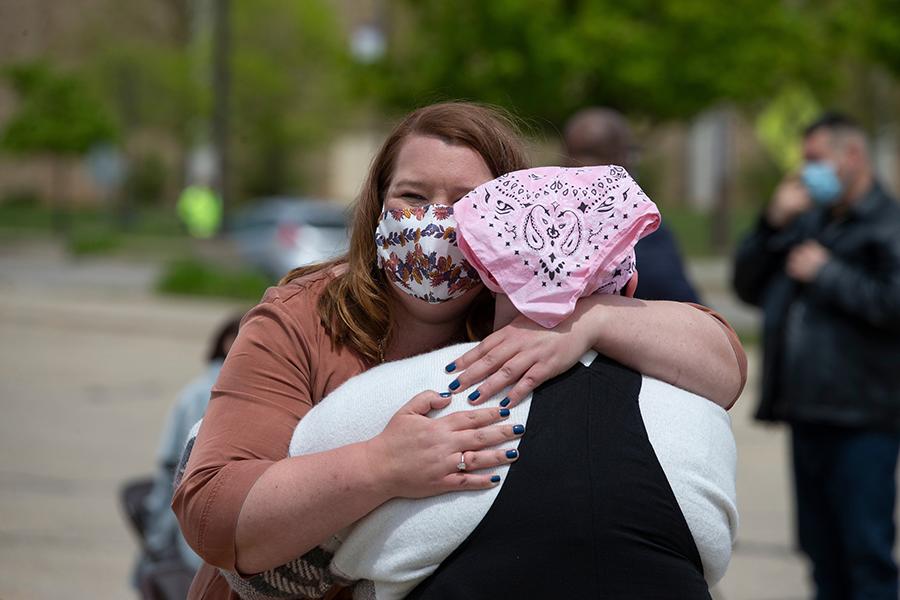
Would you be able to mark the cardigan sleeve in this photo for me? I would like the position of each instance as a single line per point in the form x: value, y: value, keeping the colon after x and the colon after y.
x: 262, y: 392
x: 739, y: 355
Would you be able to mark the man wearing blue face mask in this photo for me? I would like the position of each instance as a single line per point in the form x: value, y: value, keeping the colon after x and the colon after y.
x: 823, y: 263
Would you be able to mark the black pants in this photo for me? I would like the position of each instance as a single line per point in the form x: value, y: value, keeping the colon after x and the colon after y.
x: 846, y: 488
x: 586, y: 512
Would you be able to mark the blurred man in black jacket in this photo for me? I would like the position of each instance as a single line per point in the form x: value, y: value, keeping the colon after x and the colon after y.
x: 601, y: 136
x: 823, y: 263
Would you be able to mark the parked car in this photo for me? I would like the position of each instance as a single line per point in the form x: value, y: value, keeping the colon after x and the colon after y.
x: 279, y: 234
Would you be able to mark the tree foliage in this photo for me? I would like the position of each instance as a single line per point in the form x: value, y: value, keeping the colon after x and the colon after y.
x: 57, y: 113
x: 871, y: 28
x: 147, y: 62
x: 659, y: 59
x: 152, y: 85
x: 290, y: 82
x: 289, y: 78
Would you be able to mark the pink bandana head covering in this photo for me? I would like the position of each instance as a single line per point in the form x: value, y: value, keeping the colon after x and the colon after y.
x: 548, y: 236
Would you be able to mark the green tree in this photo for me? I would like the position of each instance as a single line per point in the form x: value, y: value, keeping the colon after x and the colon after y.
x: 871, y: 28
x: 657, y: 59
x: 289, y: 79
x: 867, y: 33
x: 57, y: 116
x: 291, y: 89
x: 149, y: 66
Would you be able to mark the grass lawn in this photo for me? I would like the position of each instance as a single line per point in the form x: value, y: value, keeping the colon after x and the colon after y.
x: 93, y: 231
x: 189, y: 277
x: 149, y: 235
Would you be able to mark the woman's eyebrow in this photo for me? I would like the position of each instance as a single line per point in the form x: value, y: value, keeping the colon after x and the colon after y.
x: 407, y: 183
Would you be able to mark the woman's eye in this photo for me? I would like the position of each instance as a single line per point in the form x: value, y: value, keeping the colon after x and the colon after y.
x: 413, y: 196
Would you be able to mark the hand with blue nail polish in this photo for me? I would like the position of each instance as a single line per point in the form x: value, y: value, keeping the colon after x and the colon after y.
x: 519, y: 356
x: 403, y: 453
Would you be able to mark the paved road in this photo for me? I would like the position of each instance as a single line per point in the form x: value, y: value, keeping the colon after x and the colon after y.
x: 88, y: 367
x: 87, y: 372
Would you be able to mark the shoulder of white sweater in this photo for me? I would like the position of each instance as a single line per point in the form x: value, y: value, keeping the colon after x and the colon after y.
x: 693, y: 442
x: 430, y: 364
x: 659, y: 397
x: 404, y: 378
x: 690, y: 434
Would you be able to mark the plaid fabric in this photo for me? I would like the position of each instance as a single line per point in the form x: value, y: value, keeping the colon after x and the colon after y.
x: 305, y: 578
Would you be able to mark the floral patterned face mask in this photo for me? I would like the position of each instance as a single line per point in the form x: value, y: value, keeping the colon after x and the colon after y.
x: 417, y: 249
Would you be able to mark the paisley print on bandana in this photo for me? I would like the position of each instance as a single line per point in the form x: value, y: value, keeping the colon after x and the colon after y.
x: 418, y: 251
x: 547, y: 236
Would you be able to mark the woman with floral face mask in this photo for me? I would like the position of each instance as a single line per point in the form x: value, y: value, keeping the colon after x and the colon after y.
x: 402, y: 289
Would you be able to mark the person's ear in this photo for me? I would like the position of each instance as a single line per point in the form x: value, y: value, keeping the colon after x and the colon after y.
x: 631, y: 286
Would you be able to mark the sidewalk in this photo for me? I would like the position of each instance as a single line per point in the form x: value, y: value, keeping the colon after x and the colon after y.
x: 86, y: 379
x: 763, y: 566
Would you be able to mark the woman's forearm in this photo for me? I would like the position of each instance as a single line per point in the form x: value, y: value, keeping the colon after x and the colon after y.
x: 671, y: 341
x: 300, y: 502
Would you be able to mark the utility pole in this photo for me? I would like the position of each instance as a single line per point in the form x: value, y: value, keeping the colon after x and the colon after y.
x: 221, y: 85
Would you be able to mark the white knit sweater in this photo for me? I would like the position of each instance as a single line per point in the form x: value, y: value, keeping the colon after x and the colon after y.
x: 403, y: 541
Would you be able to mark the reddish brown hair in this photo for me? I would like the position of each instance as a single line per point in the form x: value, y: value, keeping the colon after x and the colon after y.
x: 355, y: 305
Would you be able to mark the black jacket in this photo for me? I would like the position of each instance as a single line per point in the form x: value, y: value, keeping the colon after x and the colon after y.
x: 662, y: 275
x: 832, y: 347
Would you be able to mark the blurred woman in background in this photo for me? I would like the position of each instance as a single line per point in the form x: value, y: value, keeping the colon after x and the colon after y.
x: 162, y: 537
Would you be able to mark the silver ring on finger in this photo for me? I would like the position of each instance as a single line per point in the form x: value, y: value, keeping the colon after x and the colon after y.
x: 461, y: 466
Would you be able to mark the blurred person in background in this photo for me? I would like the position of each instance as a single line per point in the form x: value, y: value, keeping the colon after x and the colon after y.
x: 162, y: 537
x: 323, y: 324
x: 823, y: 262
x: 200, y: 209
x: 602, y: 136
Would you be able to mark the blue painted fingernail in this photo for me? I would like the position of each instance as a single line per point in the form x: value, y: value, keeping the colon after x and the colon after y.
x: 445, y: 394
x: 474, y: 396
x: 518, y: 429
x: 512, y: 454
x: 504, y: 412
x: 451, y: 367
x: 495, y: 479
x: 504, y: 402
x: 454, y: 384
